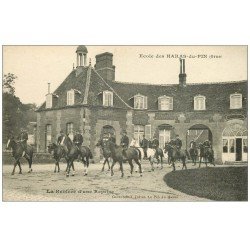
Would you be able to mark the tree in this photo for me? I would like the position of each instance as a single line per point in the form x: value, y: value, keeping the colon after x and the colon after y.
x: 15, y: 114
x: 8, y: 83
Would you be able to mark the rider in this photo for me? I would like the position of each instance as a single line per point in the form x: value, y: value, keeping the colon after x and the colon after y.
x: 178, y: 144
x: 23, y: 137
x: 193, y: 144
x: 155, y: 145
x: 78, y: 139
x: 124, y: 142
x: 60, y: 137
x: 207, y: 144
x: 144, y: 145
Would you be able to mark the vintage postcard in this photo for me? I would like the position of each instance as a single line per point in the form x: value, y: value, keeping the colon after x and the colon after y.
x: 125, y: 123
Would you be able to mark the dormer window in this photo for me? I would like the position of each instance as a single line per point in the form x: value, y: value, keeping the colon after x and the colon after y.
x: 71, y: 97
x: 165, y: 103
x: 107, y: 98
x: 49, y: 101
x: 140, y: 102
x: 199, y: 102
x: 236, y: 101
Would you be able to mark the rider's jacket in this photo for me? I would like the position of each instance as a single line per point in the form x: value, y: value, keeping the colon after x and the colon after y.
x: 78, y: 139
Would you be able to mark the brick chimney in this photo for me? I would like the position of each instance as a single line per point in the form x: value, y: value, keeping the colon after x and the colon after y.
x: 104, y: 66
x: 182, y: 75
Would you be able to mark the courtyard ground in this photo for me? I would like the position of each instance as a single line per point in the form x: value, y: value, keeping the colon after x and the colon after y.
x: 45, y: 185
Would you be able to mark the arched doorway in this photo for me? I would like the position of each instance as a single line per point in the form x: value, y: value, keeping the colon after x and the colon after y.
x: 199, y: 133
x: 234, y: 143
x: 107, y: 131
x: 165, y: 134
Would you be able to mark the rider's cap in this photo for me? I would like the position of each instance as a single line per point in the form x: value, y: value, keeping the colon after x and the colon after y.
x: 61, y: 131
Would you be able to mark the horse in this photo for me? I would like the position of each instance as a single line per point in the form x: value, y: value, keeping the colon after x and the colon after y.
x: 193, y: 152
x: 118, y: 153
x: 106, y: 153
x: 176, y: 154
x: 207, y: 154
x: 75, y: 152
x: 17, y: 153
x: 153, y: 154
x: 58, y: 152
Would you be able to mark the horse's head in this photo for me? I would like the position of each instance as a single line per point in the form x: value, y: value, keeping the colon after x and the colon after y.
x: 10, y: 142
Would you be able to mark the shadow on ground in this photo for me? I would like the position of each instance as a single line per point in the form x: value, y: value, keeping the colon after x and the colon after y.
x: 220, y: 184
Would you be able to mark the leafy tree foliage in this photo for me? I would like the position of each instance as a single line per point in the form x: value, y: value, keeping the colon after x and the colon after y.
x: 16, y: 115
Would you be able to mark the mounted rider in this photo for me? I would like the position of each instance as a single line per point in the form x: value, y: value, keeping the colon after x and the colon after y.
x: 78, y: 139
x: 178, y: 144
x: 155, y: 145
x: 124, y: 142
x: 144, y: 146
x: 60, y: 141
x: 207, y: 144
x: 23, y: 138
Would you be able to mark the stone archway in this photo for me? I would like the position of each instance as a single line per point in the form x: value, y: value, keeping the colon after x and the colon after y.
x: 199, y: 133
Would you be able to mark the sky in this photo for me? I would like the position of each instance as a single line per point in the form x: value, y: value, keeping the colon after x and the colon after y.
x: 36, y: 66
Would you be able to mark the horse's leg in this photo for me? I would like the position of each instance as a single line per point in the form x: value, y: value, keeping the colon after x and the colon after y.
x: 112, y: 172
x: 104, y: 164
x: 108, y: 163
x: 86, y: 165
x: 161, y: 162
x: 173, y: 165
x: 69, y: 163
x: 19, y: 165
x: 121, y: 168
x: 151, y: 160
x: 29, y: 160
x: 58, y: 169
x: 139, y: 164
x: 131, y: 166
x: 200, y: 161
x: 15, y: 163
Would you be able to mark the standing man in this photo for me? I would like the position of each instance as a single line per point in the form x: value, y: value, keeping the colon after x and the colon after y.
x: 23, y: 137
x: 144, y: 145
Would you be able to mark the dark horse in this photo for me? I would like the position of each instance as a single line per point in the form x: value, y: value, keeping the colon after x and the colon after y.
x: 17, y: 152
x: 176, y: 154
x: 118, y: 154
x: 82, y: 152
x: 207, y: 154
x: 193, y: 152
x: 105, y: 151
x: 58, y: 152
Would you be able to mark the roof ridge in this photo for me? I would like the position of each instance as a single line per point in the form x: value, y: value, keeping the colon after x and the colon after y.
x: 112, y: 89
x: 173, y: 84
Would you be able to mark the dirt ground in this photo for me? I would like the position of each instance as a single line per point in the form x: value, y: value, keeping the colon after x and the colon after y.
x: 45, y: 185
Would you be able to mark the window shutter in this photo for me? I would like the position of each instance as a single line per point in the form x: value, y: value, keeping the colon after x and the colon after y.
x: 112, y: 104
x: 145, y: 102
x: 159, y: 103
x: 171, y: 103
x: 148, y: 132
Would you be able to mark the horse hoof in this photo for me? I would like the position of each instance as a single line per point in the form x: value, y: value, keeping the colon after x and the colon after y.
x: 122, y: 175
x: 20, y: 172
x: 12, y: 173
x: 67, y: 175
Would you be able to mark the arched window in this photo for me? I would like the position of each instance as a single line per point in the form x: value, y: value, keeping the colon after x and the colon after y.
x: 199, y: 102
x: 71, y: 97
x: 236, y: 101
x: 165, y: 103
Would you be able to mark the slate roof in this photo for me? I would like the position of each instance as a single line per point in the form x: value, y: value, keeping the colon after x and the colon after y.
x: 217, y: 94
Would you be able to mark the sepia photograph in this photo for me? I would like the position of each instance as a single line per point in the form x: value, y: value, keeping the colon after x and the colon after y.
x: 124, y: 123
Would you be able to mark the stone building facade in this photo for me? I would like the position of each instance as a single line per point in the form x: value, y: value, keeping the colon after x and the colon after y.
x: 90, y: 100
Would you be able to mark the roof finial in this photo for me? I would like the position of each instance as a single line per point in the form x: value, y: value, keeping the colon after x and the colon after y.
x: 73, y: 66
x: 89, y: 61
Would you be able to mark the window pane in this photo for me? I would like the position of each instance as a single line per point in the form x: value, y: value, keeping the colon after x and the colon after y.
x: 236, y: 101
x: 138, y: 133
x: 245, y: 149
x: 225, y: 146
x: 231, y: 145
